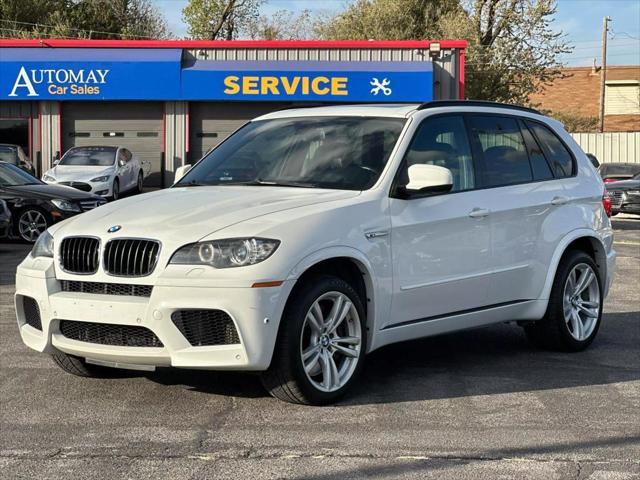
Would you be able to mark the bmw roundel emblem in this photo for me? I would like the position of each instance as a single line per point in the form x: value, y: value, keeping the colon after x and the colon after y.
x: 114, y: 229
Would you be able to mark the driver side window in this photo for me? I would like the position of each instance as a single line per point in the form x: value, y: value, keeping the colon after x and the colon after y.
x: 443, y: 141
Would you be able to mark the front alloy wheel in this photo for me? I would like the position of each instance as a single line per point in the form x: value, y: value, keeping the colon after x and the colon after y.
x: 321, y: 343
x: 330, y: 342
x: 31, y: 223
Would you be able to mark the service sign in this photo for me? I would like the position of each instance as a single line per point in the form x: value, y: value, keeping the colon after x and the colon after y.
x: 160, y: 74
x: 309, y: 80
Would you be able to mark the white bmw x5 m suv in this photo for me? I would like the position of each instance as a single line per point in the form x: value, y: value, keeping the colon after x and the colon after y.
x: 311, y: 237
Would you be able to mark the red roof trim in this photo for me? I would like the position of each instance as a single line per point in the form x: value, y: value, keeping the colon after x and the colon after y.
x: 204, y: 44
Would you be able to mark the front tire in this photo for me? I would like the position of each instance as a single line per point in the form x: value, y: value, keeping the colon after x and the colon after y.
x: 139, y: 183
x: 321, y: 344
x: 574, y: 312
x: 115, y: 190
x: 77, y: 366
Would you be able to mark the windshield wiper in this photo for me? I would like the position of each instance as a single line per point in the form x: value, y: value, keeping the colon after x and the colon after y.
x: 192, y: 183
x: 279, y: 183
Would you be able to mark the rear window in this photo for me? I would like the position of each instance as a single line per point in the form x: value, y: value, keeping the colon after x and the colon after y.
x: 504, y: 155
x: 557, y: 154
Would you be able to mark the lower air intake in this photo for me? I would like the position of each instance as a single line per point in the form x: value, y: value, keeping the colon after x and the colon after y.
x: 109, y: 334
x: 206, y: 327
x: 31, y: 312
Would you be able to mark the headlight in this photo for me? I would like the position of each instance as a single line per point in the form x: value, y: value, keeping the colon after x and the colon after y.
x: 66, y: 205
x: 104, y: 178
x: 48, y: 178
x: 228, y: 253
x: 43, y: 246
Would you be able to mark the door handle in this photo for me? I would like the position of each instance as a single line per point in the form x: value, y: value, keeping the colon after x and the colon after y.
x: 559, y: 200
x: 479, y: 213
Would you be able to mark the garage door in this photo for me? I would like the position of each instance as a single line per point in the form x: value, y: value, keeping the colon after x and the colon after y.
x: 134, y: 125
x: 210, y: 123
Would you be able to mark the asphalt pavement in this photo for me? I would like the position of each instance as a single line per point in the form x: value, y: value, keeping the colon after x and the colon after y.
x: 475, y: 404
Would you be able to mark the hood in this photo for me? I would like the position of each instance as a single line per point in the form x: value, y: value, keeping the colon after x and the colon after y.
x: 623, y: 185
x: 48, y: 192
x: 67, y: 173
x: 177, y: 216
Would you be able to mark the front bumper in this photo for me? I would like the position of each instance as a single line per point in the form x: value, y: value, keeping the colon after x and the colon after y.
x: 247, y: 307
x: 103, y: 189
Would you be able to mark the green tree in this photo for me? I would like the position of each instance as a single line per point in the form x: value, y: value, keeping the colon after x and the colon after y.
x: 388, y: 20
x: 513, y: 48
x: 220, y: 19
x: 97, y: 19
x: 282, y: 25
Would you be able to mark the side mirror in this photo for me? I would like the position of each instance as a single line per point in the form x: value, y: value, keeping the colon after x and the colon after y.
x: 56, y: 162
x: 593, y: 159
x: 428, y: 180
x: 181, y: 172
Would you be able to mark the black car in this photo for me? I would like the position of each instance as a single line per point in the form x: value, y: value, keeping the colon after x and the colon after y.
x: 625, y: 196
x: 614, y: 172
x: 35, y: 205
x: 14, y: 154
x: 5, y: 219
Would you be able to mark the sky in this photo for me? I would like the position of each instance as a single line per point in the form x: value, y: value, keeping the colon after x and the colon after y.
x: 580, y: 20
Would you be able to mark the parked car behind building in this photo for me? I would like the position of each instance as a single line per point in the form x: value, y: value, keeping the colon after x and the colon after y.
x: 105, y: 171
x: 35, y: 206
x: 613, y: 172
x: 625, y: 196
x: 14, y: 154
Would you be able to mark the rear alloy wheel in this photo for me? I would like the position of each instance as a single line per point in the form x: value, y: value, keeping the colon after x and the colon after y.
x: 321, y: 344
x: 575, y: 306
x: 31, y: 223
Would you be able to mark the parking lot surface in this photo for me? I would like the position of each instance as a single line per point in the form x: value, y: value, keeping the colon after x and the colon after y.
x: 476, y: 404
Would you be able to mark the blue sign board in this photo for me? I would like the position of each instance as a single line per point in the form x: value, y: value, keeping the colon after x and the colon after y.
x: 160, y: 74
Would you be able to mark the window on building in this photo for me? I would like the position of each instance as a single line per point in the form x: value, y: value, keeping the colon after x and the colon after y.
x: 622, y: 97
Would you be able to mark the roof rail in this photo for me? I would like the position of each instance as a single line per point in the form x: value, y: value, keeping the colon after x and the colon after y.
x: 474, y: 103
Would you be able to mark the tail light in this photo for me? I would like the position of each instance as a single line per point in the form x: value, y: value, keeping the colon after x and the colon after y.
x: 606, y: 204
x: 609, y: 180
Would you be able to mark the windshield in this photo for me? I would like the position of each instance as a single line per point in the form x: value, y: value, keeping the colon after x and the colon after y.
x: 11, y: 176
x: 346, y: 153
x: 8, y: 154
x: 90, y: 156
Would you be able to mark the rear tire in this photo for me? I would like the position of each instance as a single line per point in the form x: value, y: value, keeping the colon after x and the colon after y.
x: 78, y: 366
x: 310, y: 343
x: 573, y: 318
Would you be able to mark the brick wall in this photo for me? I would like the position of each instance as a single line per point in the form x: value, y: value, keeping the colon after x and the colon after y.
x: 579, y: 93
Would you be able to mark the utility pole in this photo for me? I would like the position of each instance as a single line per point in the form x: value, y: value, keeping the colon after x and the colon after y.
x: 603, y: 72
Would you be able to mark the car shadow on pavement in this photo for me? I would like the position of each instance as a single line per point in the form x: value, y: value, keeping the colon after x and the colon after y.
x: 408, y: 468
x: 495, y: 360
x: 484, y: 361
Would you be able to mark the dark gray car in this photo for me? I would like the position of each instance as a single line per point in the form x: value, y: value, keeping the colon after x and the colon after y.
x: 625, y: 195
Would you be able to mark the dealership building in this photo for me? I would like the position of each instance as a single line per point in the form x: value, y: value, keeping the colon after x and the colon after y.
x: 169, y: 102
